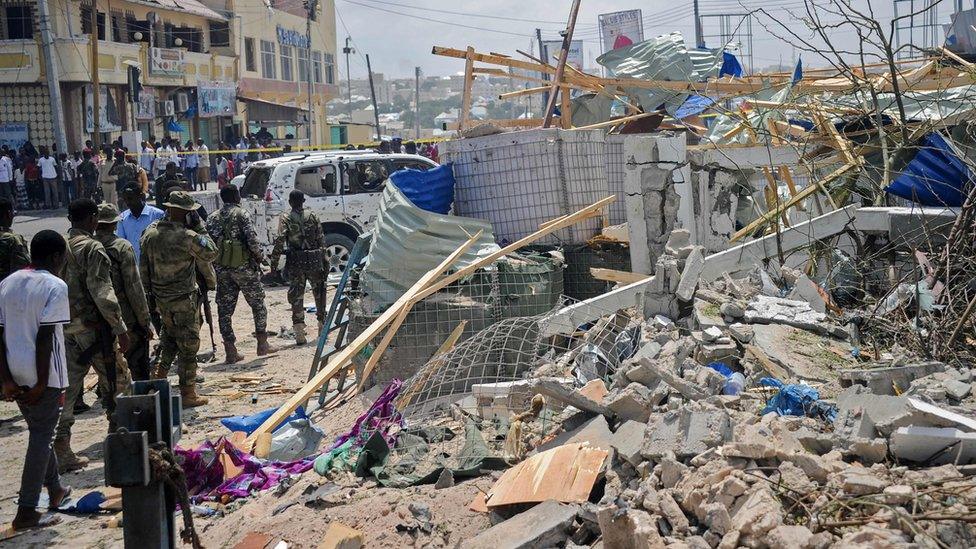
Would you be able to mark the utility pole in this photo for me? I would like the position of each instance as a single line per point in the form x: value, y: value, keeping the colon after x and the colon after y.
x: 372, y: 93
x: 542, y: 55
x: 555, y: 90
x: 416, y: 112
x: 53, y: 84
x: 311, y: 6
x: 96, y: 92
x: 347, y: 50
x: 699, y: 37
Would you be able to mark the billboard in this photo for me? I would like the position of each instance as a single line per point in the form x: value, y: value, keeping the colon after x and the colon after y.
x: 13, y: 134
x: 216, y: 99
x: 146, y: 107
x: 109, y: 119
x: 553, y: 47
x: 620, y: 29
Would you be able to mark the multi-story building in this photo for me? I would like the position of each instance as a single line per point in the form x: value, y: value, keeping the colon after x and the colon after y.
x: 199, y: 77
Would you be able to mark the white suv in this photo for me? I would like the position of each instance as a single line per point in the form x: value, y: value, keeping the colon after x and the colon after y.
x: 343, y: 188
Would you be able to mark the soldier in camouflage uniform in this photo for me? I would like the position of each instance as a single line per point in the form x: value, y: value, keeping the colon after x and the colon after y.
x: 238, y: 271
x: 128, y: 290
x: 300, y: 238
x: 172, y: 251
x: 14, y: 254
x: 96, y: 325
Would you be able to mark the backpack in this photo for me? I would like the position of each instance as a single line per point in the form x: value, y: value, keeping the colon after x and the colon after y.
x: 232, y: 253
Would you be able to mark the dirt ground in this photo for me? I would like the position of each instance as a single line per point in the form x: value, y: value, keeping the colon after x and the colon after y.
x: 375, y: 510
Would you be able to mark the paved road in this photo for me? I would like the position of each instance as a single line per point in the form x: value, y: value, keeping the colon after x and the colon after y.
x: 33, y: 222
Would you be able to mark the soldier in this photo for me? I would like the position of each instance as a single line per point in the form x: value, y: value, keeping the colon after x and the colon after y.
x: 13, y: 248
x: 169, y: 178
x: 238, y: 271
x: 172, y: 251
x: 96, y: 324
x: 128, y: 290
x: 300, y: 237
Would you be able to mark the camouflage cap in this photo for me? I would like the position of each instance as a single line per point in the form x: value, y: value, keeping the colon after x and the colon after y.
x: 108, y: 213
x: 181, y: 200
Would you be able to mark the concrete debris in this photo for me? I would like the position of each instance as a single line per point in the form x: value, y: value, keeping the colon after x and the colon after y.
x: 633, y: 402
x: 934, y: 445
x: 340, y: 536
x: 776, y: 310
x: 686, y: 432
x: 548, y: 524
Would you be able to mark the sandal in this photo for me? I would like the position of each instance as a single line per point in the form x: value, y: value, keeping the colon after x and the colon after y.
x: 43, y: 521
x: 64, y: 497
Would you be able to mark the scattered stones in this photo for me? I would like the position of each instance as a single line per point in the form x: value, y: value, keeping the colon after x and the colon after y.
x: 632, y: 403
x: 545, y: 525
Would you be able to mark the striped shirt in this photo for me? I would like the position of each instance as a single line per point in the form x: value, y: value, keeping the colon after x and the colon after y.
x: 30, y: 299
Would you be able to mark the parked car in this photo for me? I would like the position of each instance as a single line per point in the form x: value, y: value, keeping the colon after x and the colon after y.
x: 343, y: 188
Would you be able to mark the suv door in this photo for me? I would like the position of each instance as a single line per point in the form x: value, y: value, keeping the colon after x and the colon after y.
x: 362, y: 183
x: 322, y: 194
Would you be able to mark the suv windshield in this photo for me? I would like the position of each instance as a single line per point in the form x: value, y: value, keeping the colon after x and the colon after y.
x: 256, y: 182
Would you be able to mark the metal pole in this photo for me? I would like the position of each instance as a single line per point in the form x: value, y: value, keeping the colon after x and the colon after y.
x: 699, y: 37
x: 53, y: 84
x: 96, y: 91
x: 542, y: 55
x: 416, y: 113
x: 347, y: 50
x: 312, y: 5
x: 372, y: 93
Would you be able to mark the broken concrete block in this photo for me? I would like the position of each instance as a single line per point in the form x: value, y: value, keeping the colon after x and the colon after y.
x: 731, y: 309
x: 671, y: 472
x: 741, y: 332
x: 933, y: 445
x: 679, y: 238
x: 627, y: 529
x: 706, y: 314
x: 340, y: 536
x: 794, y: 478
x: 717, y: 518
x: 555, y: 388
x: 627, y: 441
x: 870, y: 451
x: 548, y: 524
x: 594, y: 390
x: 789, y: 537
x: 756, y: 513
x: 726, y: 353
x: 858, y: 481
x: 691, y: 274
x: 711, y: 334
x: 888, y: 380
x: 649, y: 371
x: 686, y: 432
x: 649, y: 350
x: 818, y: 468
x: 633, y: 402
x: 765, y: 439
x: 957, y: 389
x: 673, y: 513
x: 595, y: 432
x: 808, y: 290
x: 898, y: 494
x: 445, y: 480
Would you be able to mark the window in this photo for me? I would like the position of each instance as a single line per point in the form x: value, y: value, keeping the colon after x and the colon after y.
x: 192, y: 37
x: 120, y: 31
x: 249, y: 55
x: 329, y: 68
x: 302, y: 65
x: 86, y: 13
x: 256, y: 182
x: 317, y: 180
x: 410, y: 165
x: 268, y: 60
x: 136, y: 25
x: 365, y: 176
x: 219, y: 34
x: 286, y: 64
x: 317, y: 66
x: 18, y: 23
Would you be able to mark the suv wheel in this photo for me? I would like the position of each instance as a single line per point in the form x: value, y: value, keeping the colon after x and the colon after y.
x: 337, y: 250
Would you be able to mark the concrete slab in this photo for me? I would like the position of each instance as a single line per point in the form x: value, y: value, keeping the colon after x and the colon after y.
x: 545, y: 525
x: 933, y: 445
x: 690, y: 274
x: 627, y: 441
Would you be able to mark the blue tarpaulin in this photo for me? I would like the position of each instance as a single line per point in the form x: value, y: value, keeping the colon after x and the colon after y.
x: 798, y: 71
x: 695, y: 104
x: 935, y: 177
x: 730, y: 65
x: 248, y: 424
x: 174, y: 126
x: 431, y: 190
x: 796, y: 400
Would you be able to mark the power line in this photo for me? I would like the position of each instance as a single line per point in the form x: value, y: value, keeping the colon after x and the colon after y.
x: 467, y: 14
x: 432, y: 20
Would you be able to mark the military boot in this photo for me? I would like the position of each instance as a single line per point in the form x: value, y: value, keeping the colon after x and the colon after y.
x: 67, y: 460
x: 263, y: 347
x: 231, y: 354
x: 158, y: 372
x: 300, y: 338
x: 190, y: 397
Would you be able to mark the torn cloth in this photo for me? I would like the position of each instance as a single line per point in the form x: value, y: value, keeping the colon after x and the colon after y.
x: 382, y: 419
x: 205, y: 473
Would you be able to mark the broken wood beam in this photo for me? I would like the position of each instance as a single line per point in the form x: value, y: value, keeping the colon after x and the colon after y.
x: 561, y: 69
x: 612, y: 275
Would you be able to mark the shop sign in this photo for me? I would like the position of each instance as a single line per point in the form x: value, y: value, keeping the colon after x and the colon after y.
x: 288, y: 37
x: 166, y: 62
x: 216, y: 99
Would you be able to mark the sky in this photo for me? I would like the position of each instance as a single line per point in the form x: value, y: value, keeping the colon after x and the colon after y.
x: 399, y: 34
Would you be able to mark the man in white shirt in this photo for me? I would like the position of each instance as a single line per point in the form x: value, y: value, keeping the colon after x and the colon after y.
x: 33, y: 367
x: 49, y: 175
x: 146, y: 157
x: 6, y: 175
x: 204, y: 155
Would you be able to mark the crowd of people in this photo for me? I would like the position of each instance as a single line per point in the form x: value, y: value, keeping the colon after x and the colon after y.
x: 96, y: 298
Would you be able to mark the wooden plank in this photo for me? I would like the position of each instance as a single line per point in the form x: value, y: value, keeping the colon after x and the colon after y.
x: 616, y: 121
x: 612, y: 275
x: 466, y: 92
x: 565, y: 108
x: 561, y: 66
x: 341, y: 358
x: 516, y: 123
x: 800, y: 196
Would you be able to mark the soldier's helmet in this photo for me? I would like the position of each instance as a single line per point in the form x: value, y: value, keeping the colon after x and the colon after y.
x: 108, y: 213
x: 181, y: 200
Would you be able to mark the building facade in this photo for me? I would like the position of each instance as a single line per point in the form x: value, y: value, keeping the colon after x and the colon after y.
x: 192, y: 57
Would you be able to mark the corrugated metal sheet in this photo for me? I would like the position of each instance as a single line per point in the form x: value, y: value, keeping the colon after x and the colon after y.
x: 184, y: 6
x: 663, y: 58
x: 409, y: 241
